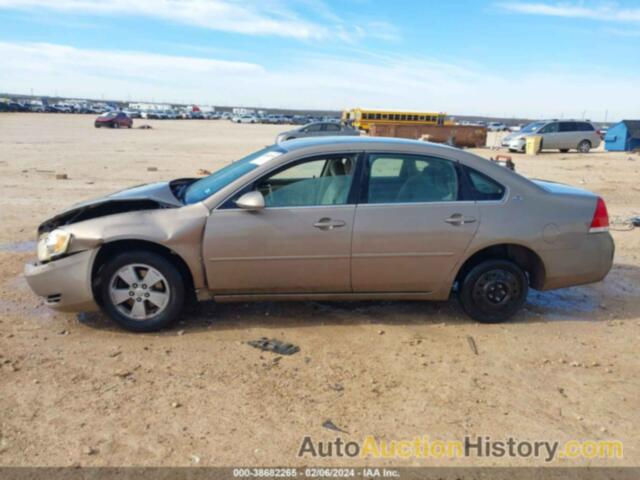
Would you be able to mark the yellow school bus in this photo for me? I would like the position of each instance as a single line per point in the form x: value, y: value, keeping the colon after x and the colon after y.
x: 363, y: 118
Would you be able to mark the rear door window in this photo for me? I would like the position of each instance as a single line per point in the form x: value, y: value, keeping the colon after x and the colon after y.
x: 410, y: 179
x: 568, y: 126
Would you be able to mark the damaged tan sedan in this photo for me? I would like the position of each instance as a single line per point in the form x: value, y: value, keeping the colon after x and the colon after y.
x: 325, y: 218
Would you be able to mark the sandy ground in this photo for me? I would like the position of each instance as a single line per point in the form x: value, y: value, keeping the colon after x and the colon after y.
x: 74, y: 390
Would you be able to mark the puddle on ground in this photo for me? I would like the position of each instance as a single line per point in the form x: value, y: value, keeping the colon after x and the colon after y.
x: 18, y: 247
x: 565, y: 303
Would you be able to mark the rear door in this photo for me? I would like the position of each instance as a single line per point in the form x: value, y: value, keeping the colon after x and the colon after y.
x: 410, y: 228
x: 568, y: 135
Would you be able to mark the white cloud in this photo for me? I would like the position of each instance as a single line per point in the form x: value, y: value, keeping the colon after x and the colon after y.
x: 251, y: 17
x: 606, y: 12
x: 318, y: 82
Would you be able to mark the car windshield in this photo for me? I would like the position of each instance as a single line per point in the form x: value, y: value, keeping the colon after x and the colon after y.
x: 107, y: 114
x: 207, y: 186
x: 532, y: 127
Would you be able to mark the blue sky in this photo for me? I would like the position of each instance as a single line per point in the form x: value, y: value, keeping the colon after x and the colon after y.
x: 503, y: 58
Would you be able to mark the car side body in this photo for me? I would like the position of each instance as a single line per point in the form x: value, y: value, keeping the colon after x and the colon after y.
x: 113, y: 120
x: 563, y: 135
x: 381, y: 238
x: 318, y: 129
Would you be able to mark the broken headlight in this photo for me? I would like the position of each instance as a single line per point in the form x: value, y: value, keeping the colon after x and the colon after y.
x: 53, y: 244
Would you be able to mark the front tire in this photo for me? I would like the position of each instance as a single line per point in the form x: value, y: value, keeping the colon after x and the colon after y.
x: 493, y: 291
x: 141, y: 291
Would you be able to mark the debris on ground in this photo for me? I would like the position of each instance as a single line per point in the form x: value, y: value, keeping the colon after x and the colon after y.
x: 274, y: 345
x: 89, y: 450
x: 505, y: 161
x: 152, y: 169
x: 472, y: 344
x: 336, y: 386
x: 62, y: 176
x: 204, y: 171
x: 328, y: 424
x: 145, y: 127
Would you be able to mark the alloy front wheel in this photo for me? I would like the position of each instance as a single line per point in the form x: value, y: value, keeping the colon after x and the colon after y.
x: 142, y: 291
x: 139, y: 291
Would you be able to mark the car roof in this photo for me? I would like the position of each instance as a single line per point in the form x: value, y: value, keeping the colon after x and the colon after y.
x: 365, y: 143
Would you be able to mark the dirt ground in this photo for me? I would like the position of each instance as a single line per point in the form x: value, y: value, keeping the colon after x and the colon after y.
x: 75, y: 390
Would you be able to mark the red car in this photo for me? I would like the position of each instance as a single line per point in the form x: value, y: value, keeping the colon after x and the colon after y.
x: 114, y: 120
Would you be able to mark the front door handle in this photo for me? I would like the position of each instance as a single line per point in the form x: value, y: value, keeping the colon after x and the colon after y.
x: 326, y: 223
x: 458, y: 219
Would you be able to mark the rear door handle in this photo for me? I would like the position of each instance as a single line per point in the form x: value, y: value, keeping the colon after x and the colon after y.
x: 326, y: 223
x: 458, y: 219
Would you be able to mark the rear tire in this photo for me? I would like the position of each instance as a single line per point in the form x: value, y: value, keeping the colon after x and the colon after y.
x: 584, y: 146
x: 138, y: 304
x: 564, y: 150
x: 493, y: 291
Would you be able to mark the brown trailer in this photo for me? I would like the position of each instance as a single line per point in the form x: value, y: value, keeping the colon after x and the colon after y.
x: 457, y: 135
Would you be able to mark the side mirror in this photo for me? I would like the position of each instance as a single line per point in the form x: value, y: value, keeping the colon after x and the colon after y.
x: 251, y: 201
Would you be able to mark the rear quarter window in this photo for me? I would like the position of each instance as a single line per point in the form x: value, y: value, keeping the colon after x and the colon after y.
x: 482, y: 188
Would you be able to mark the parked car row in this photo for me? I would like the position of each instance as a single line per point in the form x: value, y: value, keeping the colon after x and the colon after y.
x: 276, y: 119
x: 16, y: 106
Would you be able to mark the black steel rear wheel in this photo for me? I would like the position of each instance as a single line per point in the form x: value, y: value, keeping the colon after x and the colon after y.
x: 493, y: 291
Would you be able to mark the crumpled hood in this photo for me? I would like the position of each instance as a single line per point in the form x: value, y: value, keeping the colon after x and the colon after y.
x: 151, y: 196
x: 158, y: 191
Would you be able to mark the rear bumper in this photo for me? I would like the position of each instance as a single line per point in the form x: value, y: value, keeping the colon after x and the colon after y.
x: 64, y: 284
x: 588, y: 263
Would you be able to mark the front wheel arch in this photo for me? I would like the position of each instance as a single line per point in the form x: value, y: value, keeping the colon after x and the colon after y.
x: 111, y: 249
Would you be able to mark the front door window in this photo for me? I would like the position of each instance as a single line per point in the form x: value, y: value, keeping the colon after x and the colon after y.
x: 320, y: 181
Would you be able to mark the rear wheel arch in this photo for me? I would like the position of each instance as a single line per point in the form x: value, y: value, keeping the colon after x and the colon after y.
x: 111, y: 249
x: 524, y: 257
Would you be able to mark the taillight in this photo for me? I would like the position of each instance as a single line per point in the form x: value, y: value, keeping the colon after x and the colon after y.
x: 600, y: 222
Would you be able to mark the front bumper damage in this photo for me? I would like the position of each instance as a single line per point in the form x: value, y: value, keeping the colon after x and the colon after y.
x: 64, y: 284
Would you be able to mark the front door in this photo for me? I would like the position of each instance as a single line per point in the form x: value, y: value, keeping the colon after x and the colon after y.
x: 299, y: 243
x: 410, y: 229
x: 551, y: 137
